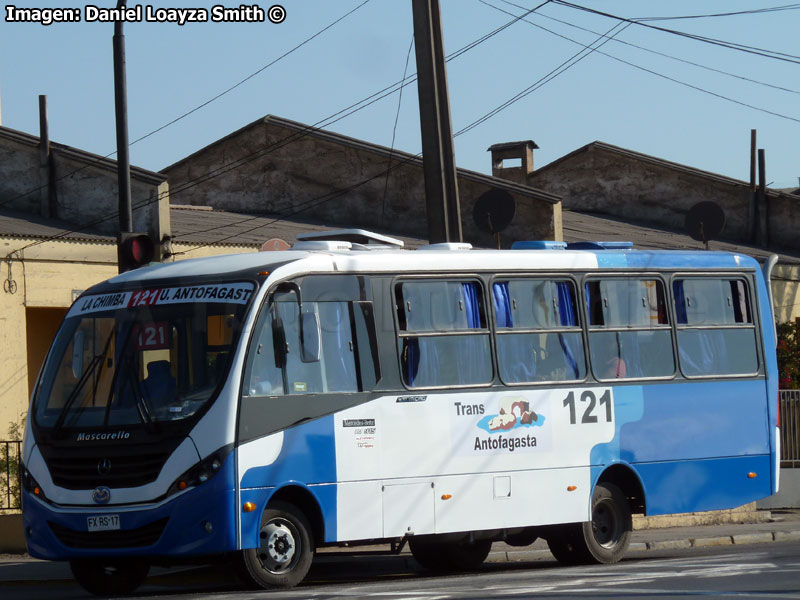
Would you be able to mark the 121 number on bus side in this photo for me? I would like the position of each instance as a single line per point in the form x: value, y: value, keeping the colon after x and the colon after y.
x: 588, y: 407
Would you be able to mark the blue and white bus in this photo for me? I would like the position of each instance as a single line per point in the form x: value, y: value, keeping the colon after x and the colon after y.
x: 255, y: 408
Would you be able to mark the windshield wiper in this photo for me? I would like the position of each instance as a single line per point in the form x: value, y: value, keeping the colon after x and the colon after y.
x: 78, y: 387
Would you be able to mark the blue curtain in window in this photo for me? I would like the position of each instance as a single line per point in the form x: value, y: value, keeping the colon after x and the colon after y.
x: 566, y: 311
x: 472, y: 350
x: 502, y: 304
x: 514, y: 352
x: 701, y: 351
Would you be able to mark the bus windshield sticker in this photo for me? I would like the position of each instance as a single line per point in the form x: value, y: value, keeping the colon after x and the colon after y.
x: 236, y: 293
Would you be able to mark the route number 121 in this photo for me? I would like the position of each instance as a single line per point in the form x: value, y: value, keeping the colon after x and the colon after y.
x: 590, y: 400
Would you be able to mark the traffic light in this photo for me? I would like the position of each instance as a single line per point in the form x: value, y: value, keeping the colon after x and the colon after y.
x: 135, y: 250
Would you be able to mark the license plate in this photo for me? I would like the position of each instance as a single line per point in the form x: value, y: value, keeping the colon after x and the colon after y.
x: 103, y: 522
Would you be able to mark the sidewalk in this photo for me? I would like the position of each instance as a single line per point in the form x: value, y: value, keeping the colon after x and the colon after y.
x: 784, y: 525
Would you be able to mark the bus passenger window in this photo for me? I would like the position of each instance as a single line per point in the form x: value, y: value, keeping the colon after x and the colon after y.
x: 629, y: 332
x: 538, y: 335
x: 443, y: 336
x: 713, y: 315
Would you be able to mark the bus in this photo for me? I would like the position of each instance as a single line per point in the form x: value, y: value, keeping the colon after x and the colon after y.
x: 255, y: 408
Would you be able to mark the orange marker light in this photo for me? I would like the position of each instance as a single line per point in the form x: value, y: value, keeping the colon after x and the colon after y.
x: 248, y: 507
x: 37, y: 491
x: 572, y: 488
x: 263, y: 273
x: 751, y: 475
x: 182, y: 485
x: 446, y: 496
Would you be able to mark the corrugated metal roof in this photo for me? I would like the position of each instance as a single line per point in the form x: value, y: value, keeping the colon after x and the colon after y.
x: 200, y: 226
x: 24, y: 225
x: 581, y: 227
x: 204, y: 227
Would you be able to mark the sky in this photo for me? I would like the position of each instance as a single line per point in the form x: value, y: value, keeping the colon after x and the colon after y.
x: 638, y: 90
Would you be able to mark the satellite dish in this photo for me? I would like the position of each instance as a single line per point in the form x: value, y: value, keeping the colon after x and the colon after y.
x: 705, y: 221
x: 494, y: 211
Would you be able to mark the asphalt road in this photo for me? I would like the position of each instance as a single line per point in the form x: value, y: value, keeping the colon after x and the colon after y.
x: 767, y: 571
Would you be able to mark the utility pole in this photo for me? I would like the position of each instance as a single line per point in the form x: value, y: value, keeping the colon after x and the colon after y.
x: 438, y: 156
x: 123, y: 155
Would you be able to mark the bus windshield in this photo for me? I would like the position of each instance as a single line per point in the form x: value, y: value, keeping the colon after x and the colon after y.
x: 140, y: 357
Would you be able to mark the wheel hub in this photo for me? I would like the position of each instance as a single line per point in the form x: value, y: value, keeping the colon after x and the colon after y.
x: 278, y: 546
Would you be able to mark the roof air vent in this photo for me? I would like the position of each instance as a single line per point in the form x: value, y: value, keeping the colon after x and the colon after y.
x: 446, y: 246
x: 359, y: 239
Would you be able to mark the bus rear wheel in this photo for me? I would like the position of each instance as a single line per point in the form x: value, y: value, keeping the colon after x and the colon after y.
x: 604, y: 539
x: 285, y: 549
x: 439, y: 555
x: 109, y: 578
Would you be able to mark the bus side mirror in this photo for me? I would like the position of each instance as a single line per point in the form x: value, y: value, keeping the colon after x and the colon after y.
x: 77, y: 354
x: 310, y: 337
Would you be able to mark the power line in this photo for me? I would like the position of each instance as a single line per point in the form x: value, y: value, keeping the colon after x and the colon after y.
x: 195, y: 109
x: 539, y: 83
x: 632, y: 45
x: 731, y: 45
x: 725, y: 14
x: 567, y: 64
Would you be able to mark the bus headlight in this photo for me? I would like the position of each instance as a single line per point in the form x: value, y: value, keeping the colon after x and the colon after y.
x: 30, y: 485
x: 201, y: 472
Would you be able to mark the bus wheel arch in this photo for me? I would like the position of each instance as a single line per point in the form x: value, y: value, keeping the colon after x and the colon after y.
x: 616, y: 495
x: 305, y: 501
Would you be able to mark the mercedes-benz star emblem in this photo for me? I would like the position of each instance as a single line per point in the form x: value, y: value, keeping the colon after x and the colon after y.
x: 104, y: 466
x: 101, y: 495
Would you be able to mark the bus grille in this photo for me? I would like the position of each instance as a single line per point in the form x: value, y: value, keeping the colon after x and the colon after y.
x: 129, y: 538
x: 83, y: 472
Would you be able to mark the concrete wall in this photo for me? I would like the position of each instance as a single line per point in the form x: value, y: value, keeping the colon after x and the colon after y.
x: 85, y: 187
x: 316, y: 176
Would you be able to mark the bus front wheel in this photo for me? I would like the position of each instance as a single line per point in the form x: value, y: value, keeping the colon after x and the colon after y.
x: 109, y: 579
x: 285, y: 549
x: 604, y: 539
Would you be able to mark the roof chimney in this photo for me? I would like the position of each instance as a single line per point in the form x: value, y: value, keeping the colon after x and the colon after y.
x: 513, y: 160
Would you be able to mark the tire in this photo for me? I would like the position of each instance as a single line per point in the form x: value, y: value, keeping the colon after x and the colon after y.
x: 115, y: 578
x: 449, y: 556
x: 604, y: 539
x: 285, y: 549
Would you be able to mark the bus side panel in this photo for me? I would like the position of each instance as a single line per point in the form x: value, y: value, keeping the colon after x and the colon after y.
x: 771, y: 368
x: 696, y: 420
x: 698, y: 485
x: 692, y: 444
x: 304, y: 456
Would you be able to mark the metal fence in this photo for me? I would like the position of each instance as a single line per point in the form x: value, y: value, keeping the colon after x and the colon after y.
x: 790, y: 428
x: 10, y: 455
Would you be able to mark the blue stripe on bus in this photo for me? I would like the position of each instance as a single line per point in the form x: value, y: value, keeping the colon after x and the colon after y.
x: 308, y: 454
x: 307, y: 459
x: 672, y: 260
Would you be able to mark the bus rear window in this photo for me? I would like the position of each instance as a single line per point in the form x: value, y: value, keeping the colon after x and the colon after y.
x: 716, y: 334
